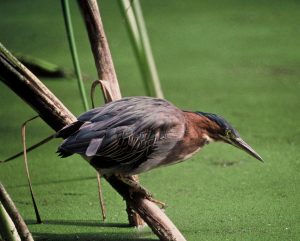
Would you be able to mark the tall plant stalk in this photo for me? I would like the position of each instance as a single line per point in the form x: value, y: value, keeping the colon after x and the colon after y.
x: 73, y: 48
x: 137, y: 30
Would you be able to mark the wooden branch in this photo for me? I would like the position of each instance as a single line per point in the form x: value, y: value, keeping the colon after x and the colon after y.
x: 105, y: 68
x: 25, y: 84
x: 56, y: 115
x: 100, y: 49
x: 14, y: 214
x: 8, y: 230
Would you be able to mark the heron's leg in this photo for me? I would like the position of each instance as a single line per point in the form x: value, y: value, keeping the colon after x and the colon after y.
x: 129, y: 180
x: 101, y: 199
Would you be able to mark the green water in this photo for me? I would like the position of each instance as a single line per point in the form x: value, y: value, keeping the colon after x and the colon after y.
x: 235, y: 58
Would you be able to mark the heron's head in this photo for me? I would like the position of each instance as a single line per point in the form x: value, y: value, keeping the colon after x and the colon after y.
x: 220, y: 130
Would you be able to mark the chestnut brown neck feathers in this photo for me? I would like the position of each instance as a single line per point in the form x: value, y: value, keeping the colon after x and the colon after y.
x: 202, y: 125
x: 199, y: 131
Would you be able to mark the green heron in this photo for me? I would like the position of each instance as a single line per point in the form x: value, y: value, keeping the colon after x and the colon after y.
x: 136, y: 134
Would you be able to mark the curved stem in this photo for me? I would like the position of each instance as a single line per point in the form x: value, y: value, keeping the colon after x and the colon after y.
x: 23, y: 131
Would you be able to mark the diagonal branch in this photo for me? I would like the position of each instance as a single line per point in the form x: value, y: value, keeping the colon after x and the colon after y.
x: 25, y: 84
x: 105, y: 68
x: 100, y: 48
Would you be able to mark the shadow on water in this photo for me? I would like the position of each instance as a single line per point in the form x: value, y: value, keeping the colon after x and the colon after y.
x: 91, y: 223
x: 99, y: 236
x: 54, y: 182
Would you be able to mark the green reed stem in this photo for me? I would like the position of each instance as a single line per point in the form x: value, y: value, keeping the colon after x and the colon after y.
x: 139, y: 37
x: 72, y: 44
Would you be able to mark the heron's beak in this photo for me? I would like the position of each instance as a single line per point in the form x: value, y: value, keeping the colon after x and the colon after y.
x: 240, y: 143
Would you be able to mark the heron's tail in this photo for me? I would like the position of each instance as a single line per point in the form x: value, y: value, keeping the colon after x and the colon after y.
x: 69, y: 130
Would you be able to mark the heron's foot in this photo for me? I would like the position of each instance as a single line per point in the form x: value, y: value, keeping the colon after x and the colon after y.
x: 160, y: 204
x: 136, y: 188
x: 148, y: 195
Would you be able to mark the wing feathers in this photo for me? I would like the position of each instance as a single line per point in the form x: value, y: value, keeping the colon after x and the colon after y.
x: 93, y: 147
x: 123, y: 132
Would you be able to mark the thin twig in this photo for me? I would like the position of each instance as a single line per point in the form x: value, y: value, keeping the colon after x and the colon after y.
x: 23, y: 131
x: 92, y: 92
x: 100, y: 193
x: 102, y: 204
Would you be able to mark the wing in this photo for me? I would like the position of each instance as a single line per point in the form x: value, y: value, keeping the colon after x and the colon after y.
x: 126, y: 150
x: 124, y: 133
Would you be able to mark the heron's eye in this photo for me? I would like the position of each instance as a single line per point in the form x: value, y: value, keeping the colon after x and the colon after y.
x: 228, y: 134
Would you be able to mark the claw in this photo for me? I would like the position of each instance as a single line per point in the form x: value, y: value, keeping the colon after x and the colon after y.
x: 160, y: 204
x: 136, y: 188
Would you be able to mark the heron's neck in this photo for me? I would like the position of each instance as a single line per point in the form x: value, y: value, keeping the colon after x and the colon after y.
x: 201, y: 127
